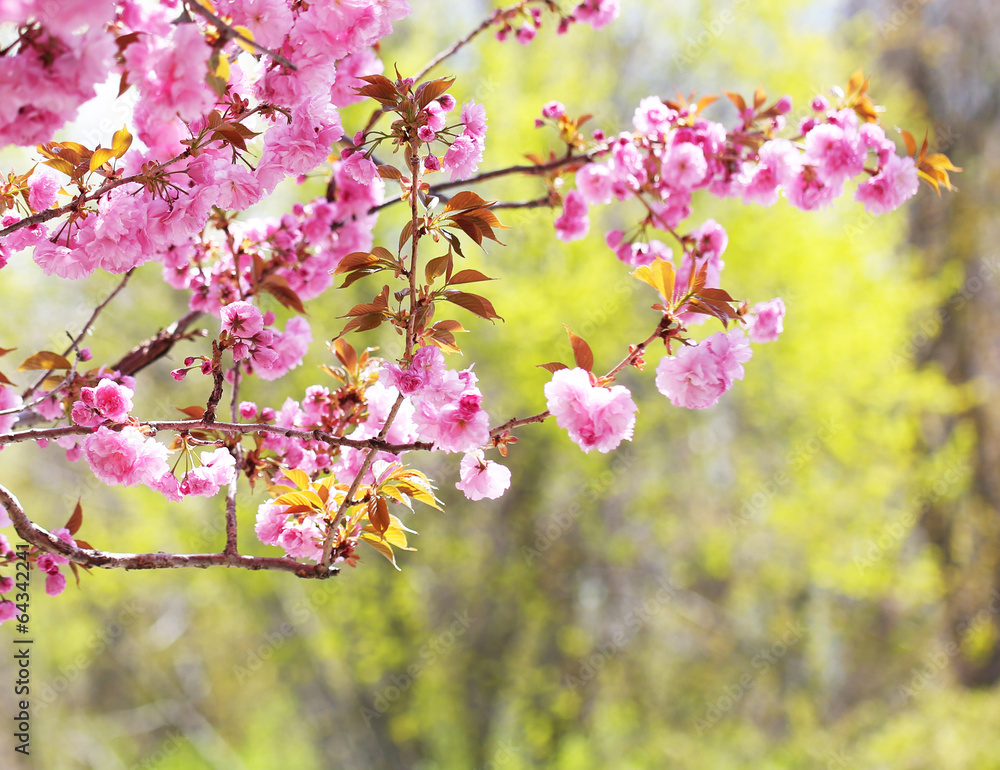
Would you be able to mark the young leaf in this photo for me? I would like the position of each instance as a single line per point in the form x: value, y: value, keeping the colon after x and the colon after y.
x: 45, y: 359
x: 553, y: 366
x: 474, y: 303
x: 581, y: 351
x: 468, y: 276
x: 73, y: 525
x: 121, y: 141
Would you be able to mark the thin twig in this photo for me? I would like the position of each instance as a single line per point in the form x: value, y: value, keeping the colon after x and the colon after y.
x: 230, y: 32
x: 75, y: 341
x: 184, y: 426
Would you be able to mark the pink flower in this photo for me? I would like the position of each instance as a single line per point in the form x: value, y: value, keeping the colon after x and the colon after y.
x: 594, y: 181
x: 684, y: 167
x: 553, y: 110
x: 778, y: 162
x: 652, y: 117
x: 698, y: 375
x: 217, y: 470
x: 286, y: 351
x: 241, y: 319
x: 573, y: 223
x: 836, y: 152
x: 766, y: 320
x: 109, y: 401
x: 126, y: 457
x: 597, y: 13
x: 9, y: 399
x: 896, y: 183
x: 456, y: 427
x: 42, y: 189
x: 361, y: 169
x: 55, y: 583
x: 474, y: 119
x: 482, y: 478
x: 8, y: 611
x: 462, y: 158
x: 596, y: 418
x: 426, y: 368
x: 731, y: 350
x: 248, y: 410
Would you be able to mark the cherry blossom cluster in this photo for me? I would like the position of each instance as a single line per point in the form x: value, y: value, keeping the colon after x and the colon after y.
x: 233, y: 97
x: 524, y: 19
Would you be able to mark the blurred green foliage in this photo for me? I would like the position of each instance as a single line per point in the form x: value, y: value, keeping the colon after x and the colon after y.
x: 738, y: 587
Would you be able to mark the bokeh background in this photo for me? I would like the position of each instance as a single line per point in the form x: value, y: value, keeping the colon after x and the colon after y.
x: 804, y: 576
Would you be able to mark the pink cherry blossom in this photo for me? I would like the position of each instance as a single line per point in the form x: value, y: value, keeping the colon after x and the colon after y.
x: 217, y: 470
x: 684, y: 166
x: 456, y: 427
x: 596, y: 418
x: 109, y: 401
x: 836, y: 152
x: 126, y: 457
x: 697, y: 375
x: 481, y: 478
x: 573, y: 223
x: 474, y: 119
x: 896, y: 183
x: 241, y: 319
x: 597, y: 13
x: 766, y: 320
x: 285, y: 352
x: 8, y: 611
x: 9, y: 399
x: 594, y: 181
x: 462, y: 158
x: 42, y: 189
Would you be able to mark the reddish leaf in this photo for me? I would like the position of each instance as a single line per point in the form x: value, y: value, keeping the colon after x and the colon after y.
x: 73, y: 525
x: 277, y: 286
x: 194, y: 412
x: 466, y: 200
x: 473, y: 303
x: 553, y: 366
x: 581, y: 351
x: 468, y: 276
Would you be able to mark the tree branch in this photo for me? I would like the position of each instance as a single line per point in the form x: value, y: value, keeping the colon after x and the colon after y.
x: 225, y: 30
x: 88, y: 557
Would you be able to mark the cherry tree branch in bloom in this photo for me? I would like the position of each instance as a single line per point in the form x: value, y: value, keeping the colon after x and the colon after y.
x: 230, y: 33
x: 90, y: 557
x: 377, y: 444
x: 488, y: 22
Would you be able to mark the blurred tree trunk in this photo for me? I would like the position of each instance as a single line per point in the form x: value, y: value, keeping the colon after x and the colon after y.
x: 946, y: 52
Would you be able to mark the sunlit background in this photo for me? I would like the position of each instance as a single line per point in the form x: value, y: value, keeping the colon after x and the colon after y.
x: 803, y: 576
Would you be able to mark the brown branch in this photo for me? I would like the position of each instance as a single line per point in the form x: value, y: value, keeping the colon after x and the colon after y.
x: 89, y: 557
x: 517, y: 422
x: 157, y: 346
x: 228, y: 32
x: 537, y: 203
x: 75, y: 341
x: 217, y: 380
x: 184, y: 426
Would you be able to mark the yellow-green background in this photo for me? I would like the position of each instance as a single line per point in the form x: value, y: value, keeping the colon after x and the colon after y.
x: 537, y: 626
